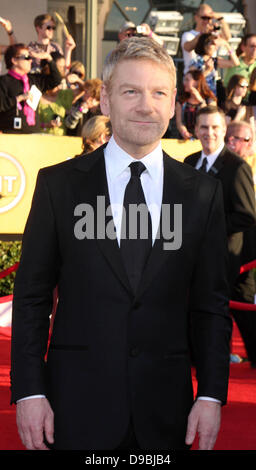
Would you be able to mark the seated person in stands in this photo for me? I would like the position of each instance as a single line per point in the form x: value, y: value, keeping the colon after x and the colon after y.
x: 96, y: 131
x: 235, y: 103
x: 194, y: 95
x: 16, y: 116
x: 86, y: 106
x: 209, y: 62
x: 45, y: 26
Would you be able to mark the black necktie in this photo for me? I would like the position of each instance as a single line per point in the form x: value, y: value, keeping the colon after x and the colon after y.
x: 136, y: 230
x: 203, y: 166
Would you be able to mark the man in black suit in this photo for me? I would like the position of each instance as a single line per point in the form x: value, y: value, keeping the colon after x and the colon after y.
x: 240, y: 139
x: 118, y: 370
x: 239, y: 199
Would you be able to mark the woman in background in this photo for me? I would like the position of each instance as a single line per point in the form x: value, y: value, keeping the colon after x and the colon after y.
x: 235, y: 103
x: 96, y: 131
x: 209, y: 62
x: 194, y: 95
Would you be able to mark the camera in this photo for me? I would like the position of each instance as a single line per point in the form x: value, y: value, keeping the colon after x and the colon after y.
x: 140, y: 30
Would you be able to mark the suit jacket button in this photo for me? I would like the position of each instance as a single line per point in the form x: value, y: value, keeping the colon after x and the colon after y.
x: 134, y: 352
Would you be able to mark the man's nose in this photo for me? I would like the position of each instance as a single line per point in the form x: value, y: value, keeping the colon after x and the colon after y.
x: 145, y: 103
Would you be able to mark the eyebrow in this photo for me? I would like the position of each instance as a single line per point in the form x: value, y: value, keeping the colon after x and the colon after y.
x: 138, y: 87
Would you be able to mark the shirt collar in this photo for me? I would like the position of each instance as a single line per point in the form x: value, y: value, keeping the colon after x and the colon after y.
x: 212, y: 156
x: 117, y: 160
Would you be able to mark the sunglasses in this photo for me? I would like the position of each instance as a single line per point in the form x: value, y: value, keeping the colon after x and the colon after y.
x: 242, y: 86
x: 24, y: 57
x: 206, y: 18
x: 79, y: 74
x: 49, y: 27
x: 241, y: 139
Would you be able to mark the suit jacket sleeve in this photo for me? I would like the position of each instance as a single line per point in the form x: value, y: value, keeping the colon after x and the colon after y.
x: 209, y: 306
x: 33, y: 296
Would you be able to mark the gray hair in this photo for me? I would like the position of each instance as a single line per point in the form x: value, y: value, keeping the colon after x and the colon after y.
x: 235, y: 125
x: 137, y: 48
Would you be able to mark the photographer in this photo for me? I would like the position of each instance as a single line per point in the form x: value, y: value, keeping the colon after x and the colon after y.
x: 128, y: 29
x: 206, y: 21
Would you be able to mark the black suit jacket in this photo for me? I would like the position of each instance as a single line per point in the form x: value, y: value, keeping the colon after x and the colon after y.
x: 114, y: 355
x: 239, y: 201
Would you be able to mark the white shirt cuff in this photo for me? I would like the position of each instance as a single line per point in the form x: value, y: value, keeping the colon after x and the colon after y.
x: 208, y: 399
x: 31, y: 396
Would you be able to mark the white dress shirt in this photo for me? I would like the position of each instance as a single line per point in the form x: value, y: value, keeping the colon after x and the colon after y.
x: 118, y: 174
x: 117, y: 163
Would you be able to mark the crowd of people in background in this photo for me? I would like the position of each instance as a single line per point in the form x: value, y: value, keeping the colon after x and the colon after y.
x: 63, y: 99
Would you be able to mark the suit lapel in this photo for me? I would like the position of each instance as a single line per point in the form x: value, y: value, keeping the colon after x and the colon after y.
x: 218, y: 164
x: 90, y: 186
x: 90, y: 182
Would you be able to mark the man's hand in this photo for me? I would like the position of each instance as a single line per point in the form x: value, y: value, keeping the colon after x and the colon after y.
x: 204, y: 418
x: 35, y: 420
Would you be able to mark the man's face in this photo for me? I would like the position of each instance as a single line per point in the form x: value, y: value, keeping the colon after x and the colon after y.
x: 47, y: 29
x: 140, y: 104
x: 241, y: 141
x: 203, y: 19
x: 250, y: 48
x: 210, y: 130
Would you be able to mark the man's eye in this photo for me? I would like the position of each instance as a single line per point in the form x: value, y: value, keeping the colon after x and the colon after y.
x: 130, y: 92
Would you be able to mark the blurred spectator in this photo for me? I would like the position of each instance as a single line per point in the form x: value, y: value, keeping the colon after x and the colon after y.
x: 12, y: 39
x: 208, y: 61
x: 235, y: 103
x: 60, y: 62
x: 206, y: 21
x: 251, y: 108
x: 129, y: 29
x: 45, y: 26
x: 85, y: 106
x: 240, y: 139
x: 195, y: 94
x: 247, y: 60
x: 16, y: 116
x: 53, y: 107
x: 76, y: 75
x: 96, y: 132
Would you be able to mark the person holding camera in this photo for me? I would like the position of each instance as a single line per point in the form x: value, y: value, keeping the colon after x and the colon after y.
x: 128, y: 29
x: 18, y: 113
x: 206, y: 21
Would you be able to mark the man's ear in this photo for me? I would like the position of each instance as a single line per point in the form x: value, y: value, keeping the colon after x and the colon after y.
x: 104, y: 101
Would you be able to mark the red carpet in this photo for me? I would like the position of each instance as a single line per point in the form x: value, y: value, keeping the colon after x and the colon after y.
x: 238, y: 430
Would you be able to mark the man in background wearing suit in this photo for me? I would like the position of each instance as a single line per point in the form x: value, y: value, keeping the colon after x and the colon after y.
x: 236, y: 178
x: 240, y: 139
x: 118, y: 369
x: 219, y: 161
